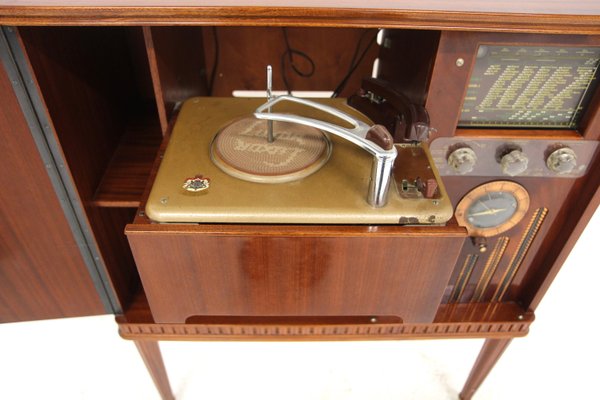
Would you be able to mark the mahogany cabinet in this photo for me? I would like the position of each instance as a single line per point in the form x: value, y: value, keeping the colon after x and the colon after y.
x: 38, y: 251
x: 89, y: 96
x: 295, y: 274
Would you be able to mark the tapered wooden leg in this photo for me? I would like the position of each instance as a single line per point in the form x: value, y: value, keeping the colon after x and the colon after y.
x: 488, y: 356
x: 150, y: 353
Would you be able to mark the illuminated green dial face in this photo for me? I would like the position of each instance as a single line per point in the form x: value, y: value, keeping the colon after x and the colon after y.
x: 492, y: 209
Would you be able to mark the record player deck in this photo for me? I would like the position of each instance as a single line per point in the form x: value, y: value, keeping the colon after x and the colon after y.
x: 219, y: 167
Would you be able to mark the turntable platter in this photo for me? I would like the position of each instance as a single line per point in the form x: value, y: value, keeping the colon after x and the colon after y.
x: 241, y: 150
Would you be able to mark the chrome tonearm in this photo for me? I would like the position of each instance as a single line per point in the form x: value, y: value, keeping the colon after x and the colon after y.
x: 270, y: 137
x: 374, y: 139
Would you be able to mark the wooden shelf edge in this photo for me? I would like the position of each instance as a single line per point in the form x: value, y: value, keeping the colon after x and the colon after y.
x: 126, y: 177
x: 110, y: 202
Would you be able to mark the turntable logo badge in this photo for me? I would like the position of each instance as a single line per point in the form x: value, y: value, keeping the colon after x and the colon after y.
x: 196, y: 184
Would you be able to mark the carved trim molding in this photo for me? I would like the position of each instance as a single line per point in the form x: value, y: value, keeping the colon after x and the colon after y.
x: 148, y: 331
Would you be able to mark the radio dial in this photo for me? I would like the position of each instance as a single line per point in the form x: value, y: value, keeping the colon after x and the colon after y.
x: 514, y: 163
x: 562, y: 161
x: 462, y: 160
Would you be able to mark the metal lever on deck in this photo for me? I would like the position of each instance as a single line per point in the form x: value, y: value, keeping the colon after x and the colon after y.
x: 270, y: 137
x: 374, y: 139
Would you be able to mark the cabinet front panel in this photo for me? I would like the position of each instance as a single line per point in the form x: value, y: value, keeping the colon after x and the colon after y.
x: 42, y: 273
x: 195, y: 274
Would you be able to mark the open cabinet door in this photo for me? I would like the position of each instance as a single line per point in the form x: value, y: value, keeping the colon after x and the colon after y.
x: 43, y: 271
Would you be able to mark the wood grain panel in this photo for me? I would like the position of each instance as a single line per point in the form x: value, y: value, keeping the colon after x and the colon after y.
x: 126, y: 177
x: 187, y: 274
x: 448, y: 83
x: 83, y: 75
x: 109, y: 223
x: 87, y: 82
x: 532, y: 16
x: 42, y: 273
x: 177, y: 64
x: 246, y: 51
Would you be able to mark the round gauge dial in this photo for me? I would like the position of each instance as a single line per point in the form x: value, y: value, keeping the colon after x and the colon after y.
x: 492, y: 208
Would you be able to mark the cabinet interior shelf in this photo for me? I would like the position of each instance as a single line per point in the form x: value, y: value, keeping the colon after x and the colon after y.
x: 126, y: 177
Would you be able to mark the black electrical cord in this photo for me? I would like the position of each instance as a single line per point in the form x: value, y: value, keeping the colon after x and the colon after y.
x: 354, y: 63
x: 289, y: 55
x: 357, y: 49
x: 213, y: 72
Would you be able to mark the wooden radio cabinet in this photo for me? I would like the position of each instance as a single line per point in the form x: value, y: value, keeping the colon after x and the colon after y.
x: 90, y: 95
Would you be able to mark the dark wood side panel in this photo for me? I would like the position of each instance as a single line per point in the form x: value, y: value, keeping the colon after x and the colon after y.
x: 176, y: 58
x: 203, y: 274
x: 109, y: 223
x: 86, y: 79
x: 42, y: 274
x: 244, y: 53
x: 406, y: 59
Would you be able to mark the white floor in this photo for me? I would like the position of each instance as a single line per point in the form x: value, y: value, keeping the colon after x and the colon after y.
x: 83, y: 358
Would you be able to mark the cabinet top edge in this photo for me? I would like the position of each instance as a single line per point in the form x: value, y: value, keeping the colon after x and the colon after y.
x: 558, y: 7
x: 582, y: 17
x: 146, y: 228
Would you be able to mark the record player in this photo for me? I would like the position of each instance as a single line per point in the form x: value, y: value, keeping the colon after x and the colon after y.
x: 292, y: 160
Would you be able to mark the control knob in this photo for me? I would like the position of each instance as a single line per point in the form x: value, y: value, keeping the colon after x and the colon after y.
x: 462, y: 160
x: 562, y: 160
x: 514, y: 163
